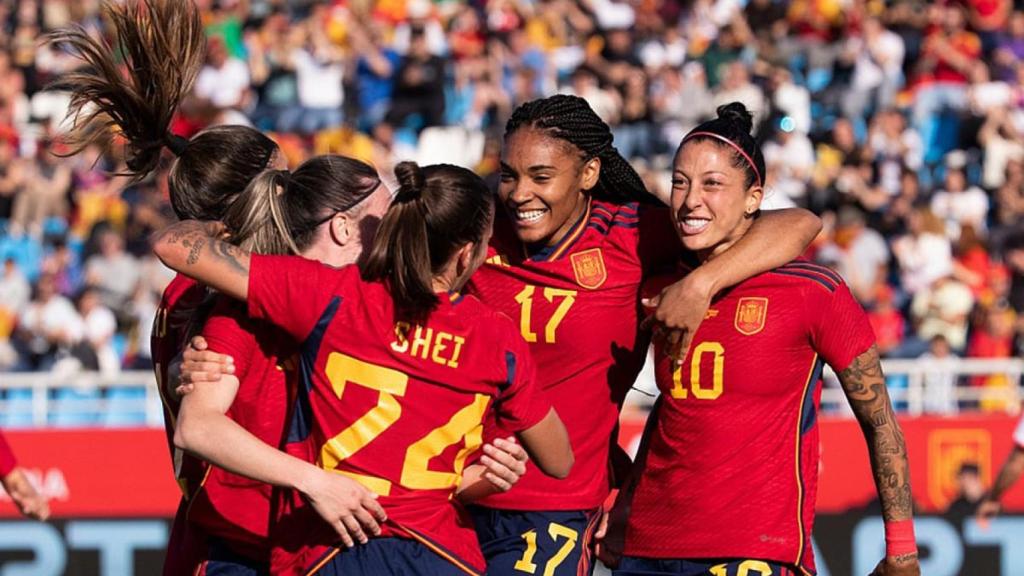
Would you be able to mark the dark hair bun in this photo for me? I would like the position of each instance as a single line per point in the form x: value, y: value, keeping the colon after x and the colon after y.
x: 737, y: 113
x: 410, y: 179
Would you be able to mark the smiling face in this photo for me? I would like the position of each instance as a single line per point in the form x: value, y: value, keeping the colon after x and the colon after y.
x: 711, y: 204
x: 544, y: 184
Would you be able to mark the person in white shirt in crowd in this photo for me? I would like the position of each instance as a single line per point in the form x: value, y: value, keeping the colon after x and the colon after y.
x: 924, y: 253
x: 958, y: 203
x: 113, y: 271
x: 98, y: 329
x: 681, y: 100
x: 224, y: 82
x: 939, y: 382
x: 858, y: 253
x: 737, y: 87
x: 943, y: 309
x: 877, y: 69
x: 48, y: 328
x: 15, y: 290
x: 789, y: 158
x: 895, y: 146
x: 791, y: 99
x: 1002, y: 141
x: 319, y: 68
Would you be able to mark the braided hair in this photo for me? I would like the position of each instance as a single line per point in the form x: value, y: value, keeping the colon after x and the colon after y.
x: 572, y: 120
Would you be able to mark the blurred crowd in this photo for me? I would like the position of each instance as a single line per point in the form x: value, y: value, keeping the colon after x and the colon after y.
x: 897, y: 121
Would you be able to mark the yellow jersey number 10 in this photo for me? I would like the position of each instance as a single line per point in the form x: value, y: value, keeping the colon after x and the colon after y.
x: 701, y: 390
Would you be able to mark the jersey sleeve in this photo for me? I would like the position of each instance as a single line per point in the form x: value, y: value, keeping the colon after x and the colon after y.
x: 522, y: 402
x: 290, y: 292
x: 840, y: 331
x: 228, y: 330
x: 7, y: 461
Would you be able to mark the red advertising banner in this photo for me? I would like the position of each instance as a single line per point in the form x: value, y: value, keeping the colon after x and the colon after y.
x: 99, y: 473
x: 105, y: 473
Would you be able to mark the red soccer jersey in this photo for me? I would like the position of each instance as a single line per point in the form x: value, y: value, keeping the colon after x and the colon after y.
x: 731, y: 468
x: 397, y: 407
x: 577, y: 304
x: 167, y: 341
x: 231, y: 507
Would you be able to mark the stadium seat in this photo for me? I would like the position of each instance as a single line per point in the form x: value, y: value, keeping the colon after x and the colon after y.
x: 75, y: 407
x: 126, y: 407
x: 17, y: 412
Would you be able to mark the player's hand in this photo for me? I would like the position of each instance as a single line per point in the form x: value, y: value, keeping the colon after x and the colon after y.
x: 30, y: 503
x: 609, y: 539
x: 351, y: 509
x: 987, y: 510
x: 505, y: 463
x: 906, y: 565
x: 199, y: 364
x: 679, y: 310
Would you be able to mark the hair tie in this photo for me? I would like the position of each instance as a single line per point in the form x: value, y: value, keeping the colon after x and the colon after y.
x: 734, y: 145
x: 176, y: 144
x: 286, y: 177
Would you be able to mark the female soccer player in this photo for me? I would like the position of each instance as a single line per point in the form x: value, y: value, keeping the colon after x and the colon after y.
x: 729, y: 477
x: 398, y: 370
x: 221, y: 422
x: 577, y: 235
x: 160, y: 45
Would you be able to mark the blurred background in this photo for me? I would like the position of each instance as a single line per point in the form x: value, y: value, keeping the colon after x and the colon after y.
x: 898, y: 122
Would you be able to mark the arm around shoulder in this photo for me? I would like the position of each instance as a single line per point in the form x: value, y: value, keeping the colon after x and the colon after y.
x: 548, y: 444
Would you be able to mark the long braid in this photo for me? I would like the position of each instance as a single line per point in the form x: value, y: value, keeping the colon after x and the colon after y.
x: 571, y: 119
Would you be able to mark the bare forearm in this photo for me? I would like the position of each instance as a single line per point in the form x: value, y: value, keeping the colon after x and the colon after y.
x: 775, y: 238
x: 193, y: 248
x: 222, y: 442
x: 864, y: 385
x: 1009, y: 474
x: 474, y: 486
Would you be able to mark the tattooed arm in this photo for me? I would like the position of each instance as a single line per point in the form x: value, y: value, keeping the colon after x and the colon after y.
x: 864, y: 385
x: 195, y: 249
x: 1008, y: 476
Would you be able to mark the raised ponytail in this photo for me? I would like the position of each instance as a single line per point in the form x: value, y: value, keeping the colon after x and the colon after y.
x: 401, y: 248
x: 256, y: 220
x: 162, y: 43
x: 438, y: 209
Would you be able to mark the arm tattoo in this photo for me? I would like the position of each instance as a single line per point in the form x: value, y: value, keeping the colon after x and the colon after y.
x: 864, y: 385
x: 193, y: 254
x: 229, y: 253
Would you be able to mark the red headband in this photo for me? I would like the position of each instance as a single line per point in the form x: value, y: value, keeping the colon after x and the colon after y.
x: 735, y: 146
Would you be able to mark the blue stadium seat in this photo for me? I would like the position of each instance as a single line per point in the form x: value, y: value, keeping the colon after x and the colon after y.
x: 75, y: 407
x: 18, y: 412
x: 125, y: 407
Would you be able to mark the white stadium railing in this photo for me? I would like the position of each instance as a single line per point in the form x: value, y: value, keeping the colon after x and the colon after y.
x: 917, y: 387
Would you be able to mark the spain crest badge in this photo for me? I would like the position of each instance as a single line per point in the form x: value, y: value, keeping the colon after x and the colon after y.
x: 588, y: 266
x: 751, y: 314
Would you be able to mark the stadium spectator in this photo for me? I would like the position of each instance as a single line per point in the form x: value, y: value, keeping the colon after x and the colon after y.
x: 858, y: 253
x: 48, y: 327
x: 113, y: 271
x: 970, y: 492
x: 958, y: 203
x: 924, y: 253
x: 942, y: 309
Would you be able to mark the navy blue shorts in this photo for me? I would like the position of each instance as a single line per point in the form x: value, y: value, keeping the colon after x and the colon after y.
x: 555, y: 543
x: 633, y: 566
x: 384, y: 556
x: 223, y: 561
